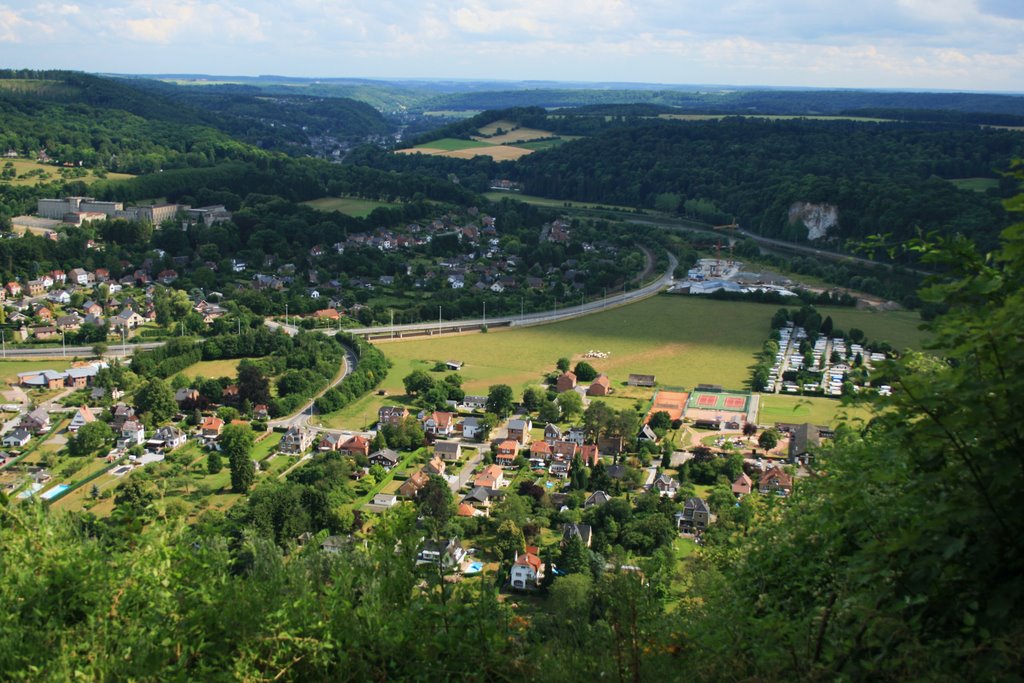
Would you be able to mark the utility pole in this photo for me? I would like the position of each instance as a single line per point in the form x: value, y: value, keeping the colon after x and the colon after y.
x: 485, y: 314
x: 63, y: 345
x: 522, y: 305
x: 286, y: 315
x: 439, y: 320
x: 3, y: 337
x: 392, y: 323
x: 124, y: 349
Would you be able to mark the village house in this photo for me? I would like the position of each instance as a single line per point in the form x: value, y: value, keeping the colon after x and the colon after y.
x: 519, y: 429
x: 36, y: 422
x: 526, y: 571
x: 210, y: 427
x: 330, y: 442
x: 83, y: 416
x: 507, y: 453
x: 601, y: 386
x: 577, y: 435
x: 296, y: 439
x: 448, y: 553
x: 589, y: 454
x: 475, y: 402
x: 470, y: 427
x: 665, y: 485
x: 357, y: 445
x: 596, y: 499
x: 552, y: 433
x: 540, y: 451
x: 448, y: 450
x: 775, y: 481
x: 492, y: 477
x: 17, y: 438
x: 392, y: 415
x: 410, y: 488
x: 385, y: 457
x: 132, y: 434
x: 742, y: 486
x: 435, y: 466
x: 584, y: 532
x: 695, y: 515
x: 439, y: 423
x: 186, y: 397
x: 166, y: 439
x: 565, y: 382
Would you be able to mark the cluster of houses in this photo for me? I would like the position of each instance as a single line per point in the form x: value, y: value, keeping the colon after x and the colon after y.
x: 42, y: 306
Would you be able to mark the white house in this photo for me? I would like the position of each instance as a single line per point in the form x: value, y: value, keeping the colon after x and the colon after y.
x: 526, y: 572
x: 83, y: 416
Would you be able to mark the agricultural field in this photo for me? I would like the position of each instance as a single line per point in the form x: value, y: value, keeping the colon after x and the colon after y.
x: 449, y: 145
x: 350, y: 206
x: 684, y: 341
x: 512, y: 135
x: 496, y: 152
x: 29, y: 173
x: 975, y: 184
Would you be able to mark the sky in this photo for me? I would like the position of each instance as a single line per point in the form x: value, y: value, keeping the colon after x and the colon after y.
x: 920, y: 44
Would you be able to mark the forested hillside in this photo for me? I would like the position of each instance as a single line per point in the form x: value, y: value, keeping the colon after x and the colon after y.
x: 884, y: 178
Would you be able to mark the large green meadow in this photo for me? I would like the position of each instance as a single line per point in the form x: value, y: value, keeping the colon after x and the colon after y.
x: 681, y: 340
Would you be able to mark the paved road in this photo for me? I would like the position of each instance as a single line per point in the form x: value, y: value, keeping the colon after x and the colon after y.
x: 466, y: 472
x: 301, y: 417
x: 113, y: 351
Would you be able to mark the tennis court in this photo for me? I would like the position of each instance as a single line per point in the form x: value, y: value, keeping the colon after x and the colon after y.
x: 721, y: 406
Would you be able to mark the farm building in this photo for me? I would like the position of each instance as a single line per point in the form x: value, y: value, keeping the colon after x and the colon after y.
x: 640, y: 380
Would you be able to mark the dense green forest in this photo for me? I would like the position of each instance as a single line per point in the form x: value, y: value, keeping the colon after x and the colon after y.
x: 894, y: 560
x: 884, y: 178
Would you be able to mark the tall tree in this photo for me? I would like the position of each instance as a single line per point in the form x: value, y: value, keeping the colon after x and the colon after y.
x: 156, y: 398
x: 236, y: 442
x: 500, y: 400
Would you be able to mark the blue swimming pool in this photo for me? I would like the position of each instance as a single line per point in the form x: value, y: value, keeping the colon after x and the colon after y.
x: 55, y: 491
x: 475, y: 568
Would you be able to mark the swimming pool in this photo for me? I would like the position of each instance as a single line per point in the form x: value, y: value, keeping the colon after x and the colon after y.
x: 474, y: 568
x: 55, y: 491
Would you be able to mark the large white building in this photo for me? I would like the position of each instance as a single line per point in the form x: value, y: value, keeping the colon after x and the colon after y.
x: 89, y: 207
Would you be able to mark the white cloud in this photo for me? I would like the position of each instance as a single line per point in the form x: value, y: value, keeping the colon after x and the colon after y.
x: 892, y: 43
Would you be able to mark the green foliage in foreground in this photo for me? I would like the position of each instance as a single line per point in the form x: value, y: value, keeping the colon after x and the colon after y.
x: 897, y: 559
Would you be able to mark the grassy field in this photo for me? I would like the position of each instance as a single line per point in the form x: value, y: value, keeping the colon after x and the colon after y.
x: 9, y: 369
x: 975, y: 184
x: 899, y: 328
x: 684, y: 341
x: 538, y: 145
x: 213, y: 368
x: 31, y: 172
x: 819, y: 410
x: 498, y: 195
x: 452, y: 144
x: 350, y: 206
x: 513, y: 136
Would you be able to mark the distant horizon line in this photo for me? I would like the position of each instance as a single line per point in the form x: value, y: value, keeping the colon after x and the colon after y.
x: 577, y: 84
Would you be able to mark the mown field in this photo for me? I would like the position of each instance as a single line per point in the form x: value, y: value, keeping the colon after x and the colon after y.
x: 498, y: 195
x: 213, y: 368
x: 684, y: 341
x: 31, y: 172
x: 350, y: 206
